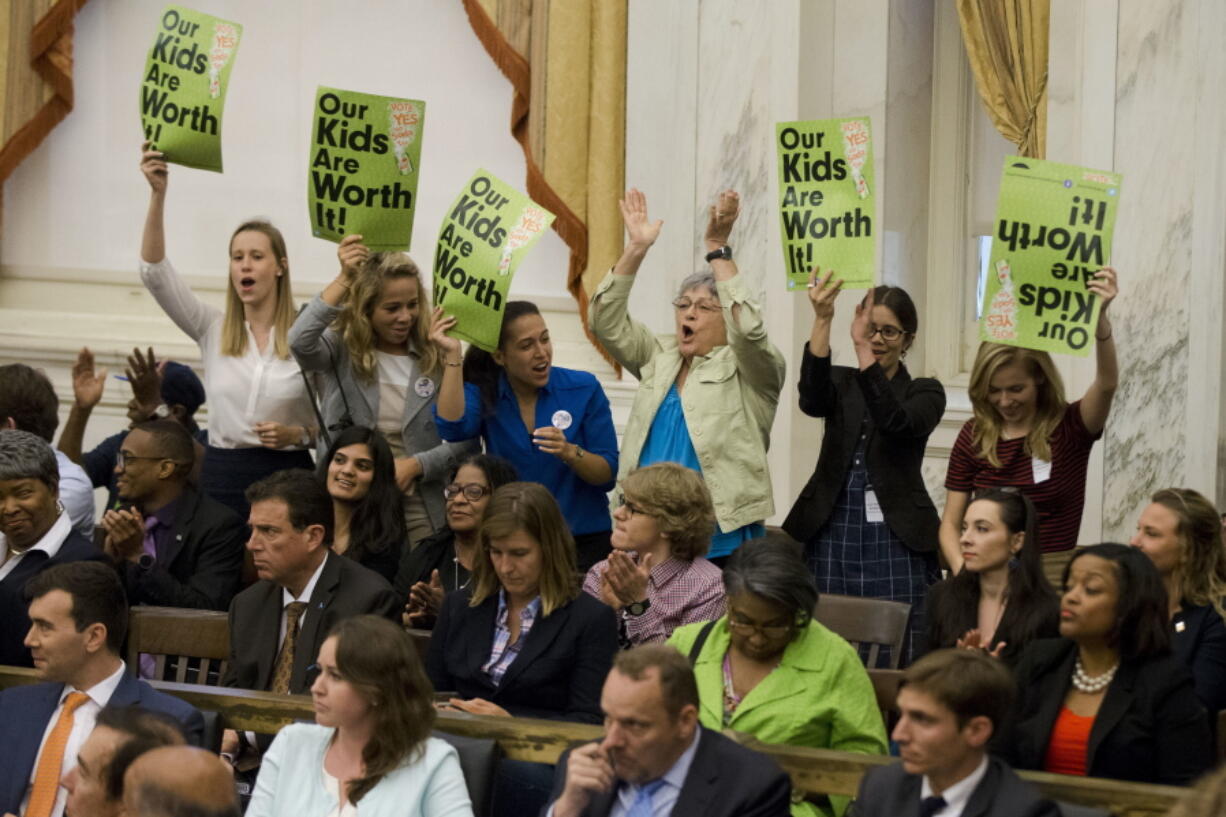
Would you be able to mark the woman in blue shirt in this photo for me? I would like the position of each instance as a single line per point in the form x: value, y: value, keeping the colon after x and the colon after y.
x: 552, y: 424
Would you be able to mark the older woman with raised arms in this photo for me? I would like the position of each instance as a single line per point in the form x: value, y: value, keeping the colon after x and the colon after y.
x: 707, y: 394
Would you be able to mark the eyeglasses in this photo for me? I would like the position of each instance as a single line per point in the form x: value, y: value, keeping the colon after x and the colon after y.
x: 123, y: 458
x: 771, y: 631
x: 472, y: 491
x: 710, y: 307
x: 634, y: 510
x: 887, y: 332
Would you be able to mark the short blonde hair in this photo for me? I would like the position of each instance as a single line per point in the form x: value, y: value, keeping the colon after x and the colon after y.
x: 678, y: 499
x: 528, y: 507
x: 1049, y: 408
x: 234, y: 324
x: 353, y: 324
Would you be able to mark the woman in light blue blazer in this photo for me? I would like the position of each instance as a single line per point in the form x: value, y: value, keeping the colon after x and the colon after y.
x: 370, y: 745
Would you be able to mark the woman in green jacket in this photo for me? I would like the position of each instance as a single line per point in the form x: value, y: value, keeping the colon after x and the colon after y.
x: 768, y: 669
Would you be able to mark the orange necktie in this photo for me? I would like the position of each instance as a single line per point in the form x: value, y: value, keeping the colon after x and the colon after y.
x: 47, y: 777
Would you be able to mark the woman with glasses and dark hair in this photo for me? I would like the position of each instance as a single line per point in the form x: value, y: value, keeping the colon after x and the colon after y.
x: 1107, y: 698
x: 656, y: 576
x: 865, y: 517
x: 444, y: 562
x: 360, y: 475
x: 1180, y: 533
x: 808, y: 685
x: 370, y: 747
x: 1000, y: 601
x: 707, y: 394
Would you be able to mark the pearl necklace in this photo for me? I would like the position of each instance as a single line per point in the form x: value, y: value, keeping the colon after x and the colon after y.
x: 1092, y: 684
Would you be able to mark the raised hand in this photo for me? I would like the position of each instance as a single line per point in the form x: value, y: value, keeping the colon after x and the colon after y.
x: 352, y: 253
x: 87, y: 387
x: 153, y: 165
x: 722, y: 216
x: 822, y: 294
x: 1104, y: 284
x: 862, y: 324
x: 145, y: 378
x: 440, y: 325
x: 640, y: 231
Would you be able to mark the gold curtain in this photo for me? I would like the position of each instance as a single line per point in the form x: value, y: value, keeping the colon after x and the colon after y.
x: 566, y: 61
x: 1006, y: 41
x: 35, y: 74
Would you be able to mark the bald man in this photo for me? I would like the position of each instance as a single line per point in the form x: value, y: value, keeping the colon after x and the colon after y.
x: 178, y: 780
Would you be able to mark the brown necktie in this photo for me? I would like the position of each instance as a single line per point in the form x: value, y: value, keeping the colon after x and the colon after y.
x: 47, y: 778
x: 284, y: 667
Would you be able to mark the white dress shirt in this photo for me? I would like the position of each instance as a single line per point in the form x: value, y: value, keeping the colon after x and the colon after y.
x: 959, y: 794
x: 83, y: 720
x: 76, y: 494
x: 50, y: 544
x: 243, y: 390
x: 287, y: 598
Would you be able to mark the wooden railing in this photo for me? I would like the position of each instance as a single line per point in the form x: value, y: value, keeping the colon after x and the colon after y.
x: 812, y: 770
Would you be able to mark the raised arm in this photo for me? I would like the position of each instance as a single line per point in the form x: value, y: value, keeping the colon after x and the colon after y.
x: 451, y: 401
x: 816, y: 388
x: 157, y: 173
x: 86, y: 391
x: 1096, y: 403
x: 951, y: 529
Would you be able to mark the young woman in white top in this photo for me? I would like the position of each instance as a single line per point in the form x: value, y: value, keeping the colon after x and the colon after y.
x: 368, y: 335
x: 260, y: 419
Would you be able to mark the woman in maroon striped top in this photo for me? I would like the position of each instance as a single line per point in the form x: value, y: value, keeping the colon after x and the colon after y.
x: 1026, y: 435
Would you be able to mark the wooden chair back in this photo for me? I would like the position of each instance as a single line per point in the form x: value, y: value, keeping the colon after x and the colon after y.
x: 187, y: 646
x: 876, y: 622
x: 885, y: 687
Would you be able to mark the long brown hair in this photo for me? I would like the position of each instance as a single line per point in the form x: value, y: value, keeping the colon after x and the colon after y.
x: 1203, y: 575
x: 233, y: 327
x: 353, y: 324
x: 1049, y: 407
x: 379, y: 660
x: 528, y: 507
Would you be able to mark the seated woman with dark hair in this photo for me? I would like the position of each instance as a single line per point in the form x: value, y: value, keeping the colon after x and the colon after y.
x: 522, y: 639
x: 768, y: 669
x: 360, y: 476
x: 370, y: 745
x: 444, y: 562
x: 1108, y: 699
x: 1179, y: 531
x: 1000, y: 600
x: 656, y: 576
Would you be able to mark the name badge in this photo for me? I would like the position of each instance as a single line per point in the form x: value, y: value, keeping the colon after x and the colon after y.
x: 424, y: 387
x: 1041, y: 469
x: 562, y: 419
x: 872, y: 508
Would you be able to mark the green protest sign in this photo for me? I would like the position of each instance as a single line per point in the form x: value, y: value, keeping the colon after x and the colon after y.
x: 363, y: 167
x: 183, y: 92
x: 485, y: 234
x: 1053, y: 232
x: 826, y: 200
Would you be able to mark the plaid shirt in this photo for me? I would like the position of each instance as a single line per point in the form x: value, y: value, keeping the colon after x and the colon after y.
x: 680, y: 593
x: 504, y: 652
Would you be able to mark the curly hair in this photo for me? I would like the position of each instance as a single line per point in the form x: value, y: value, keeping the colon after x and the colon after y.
x: 379, y: 661
x: 363, y: 297
x: 991, y: 358
x: 1203, y: 577
x: 678, y: 499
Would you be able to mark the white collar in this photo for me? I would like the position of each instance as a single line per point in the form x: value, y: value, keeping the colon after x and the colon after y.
x: 50, y: 544
x: 101, y: 692
x: 287, y: 597
x: 959, y: 794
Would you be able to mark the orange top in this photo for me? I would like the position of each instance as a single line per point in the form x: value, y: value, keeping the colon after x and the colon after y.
x: 1066, y: 749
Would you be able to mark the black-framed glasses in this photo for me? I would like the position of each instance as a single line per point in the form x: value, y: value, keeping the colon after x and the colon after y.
x: 123, y: 458
x: 472, y: 491
x: 887, y: 332
x: 634, y: 510
x: 682, y: 304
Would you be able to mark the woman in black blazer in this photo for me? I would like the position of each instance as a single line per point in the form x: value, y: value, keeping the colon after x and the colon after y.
x: 1108, y: 699
x: 523, y: 640
x: 865, y: 517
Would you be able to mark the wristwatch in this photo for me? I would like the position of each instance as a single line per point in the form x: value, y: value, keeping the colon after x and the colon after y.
x: 145, y: 561
x: 638, y: 607
x: 724, y: 252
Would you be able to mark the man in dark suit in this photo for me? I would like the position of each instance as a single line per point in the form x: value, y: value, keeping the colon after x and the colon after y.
x: 951, y: 703
x: 656, y: 760
x: 79, y: 620
x: 174, y: 546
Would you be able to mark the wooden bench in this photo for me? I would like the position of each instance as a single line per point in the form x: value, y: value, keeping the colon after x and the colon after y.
x: 811, y: 770
x: 174, y: 636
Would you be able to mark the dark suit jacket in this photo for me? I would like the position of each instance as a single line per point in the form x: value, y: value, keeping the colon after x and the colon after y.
x: 901, y: 414
x: 202, y: 562
x: 888, y: 791
x: 1150, y: 728
x: 558, y: 673
x: 435, y: 552
x: 344, y: 589
x: 1198, y: 639
x: 25, y: 710
x: 725, y: 780
x: 14, y: 622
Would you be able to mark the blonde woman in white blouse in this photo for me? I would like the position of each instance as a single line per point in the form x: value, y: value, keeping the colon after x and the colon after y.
x: 260, y: 419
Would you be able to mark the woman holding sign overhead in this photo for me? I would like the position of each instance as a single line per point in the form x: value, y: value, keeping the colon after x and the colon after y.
x: 553, y: 424
x: 380, y: 370
x: 260, y: 419
x: 1026, y: 435
x: 868, y: 525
